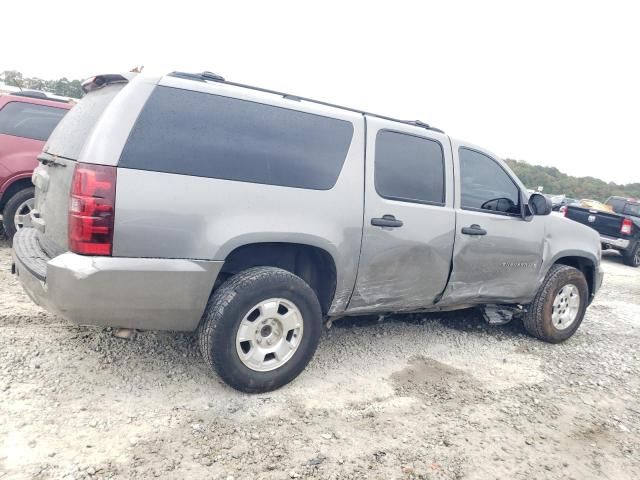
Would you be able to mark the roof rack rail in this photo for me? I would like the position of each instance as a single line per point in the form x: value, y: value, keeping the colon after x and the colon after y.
x: 202, y: 77
x: 209, y: 76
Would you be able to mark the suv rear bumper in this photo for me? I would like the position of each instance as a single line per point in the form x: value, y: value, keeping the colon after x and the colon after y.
x: 144, y: 293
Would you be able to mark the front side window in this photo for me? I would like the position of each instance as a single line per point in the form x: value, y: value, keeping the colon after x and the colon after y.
x: 484, y: 185
x: 29, y: 120
x: 200, y: 134
x: 409, y: 168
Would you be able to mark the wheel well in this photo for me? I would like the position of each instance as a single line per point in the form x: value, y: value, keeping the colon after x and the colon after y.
x: 314, y: 265
x: 15, y: 187
x: 585, y: 265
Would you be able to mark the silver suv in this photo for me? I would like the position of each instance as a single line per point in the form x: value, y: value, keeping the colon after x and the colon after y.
x: 187, y: 202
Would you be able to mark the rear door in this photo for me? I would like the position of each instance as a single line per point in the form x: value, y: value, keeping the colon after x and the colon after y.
x: 408, y: 219
x: 497, y: 255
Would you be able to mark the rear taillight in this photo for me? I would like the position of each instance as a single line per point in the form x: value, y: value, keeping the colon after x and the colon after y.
x: 563, y: 210
x: 626, y: 226
x: 91, y: 209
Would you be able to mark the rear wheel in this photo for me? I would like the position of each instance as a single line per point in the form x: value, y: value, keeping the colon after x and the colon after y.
x: 260, y: 329
x: 559, y: 306
x: 632, y: 257
x: 16, y: 211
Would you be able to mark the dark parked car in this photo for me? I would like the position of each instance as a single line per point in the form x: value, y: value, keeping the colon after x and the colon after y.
x: 619, y: 229
x: 26, y: 121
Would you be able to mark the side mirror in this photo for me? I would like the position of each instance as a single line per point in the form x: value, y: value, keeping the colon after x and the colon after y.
x: 539, y: 205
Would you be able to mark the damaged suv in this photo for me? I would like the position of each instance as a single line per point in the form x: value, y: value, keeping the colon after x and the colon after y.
x: 186, y: 202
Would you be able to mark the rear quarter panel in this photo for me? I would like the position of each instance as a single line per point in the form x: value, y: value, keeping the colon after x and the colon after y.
x: 166, y: 215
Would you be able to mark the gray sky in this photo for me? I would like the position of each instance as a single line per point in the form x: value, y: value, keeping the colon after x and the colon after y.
x: 553, y: 83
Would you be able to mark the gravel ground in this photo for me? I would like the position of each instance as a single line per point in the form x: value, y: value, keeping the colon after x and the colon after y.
x: 428, y: 396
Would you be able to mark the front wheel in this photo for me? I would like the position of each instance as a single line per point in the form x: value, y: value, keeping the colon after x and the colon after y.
x: 559, y: 306
x: 260, y: 329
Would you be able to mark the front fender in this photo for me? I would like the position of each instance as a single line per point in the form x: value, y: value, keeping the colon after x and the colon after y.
x: 570, y: 243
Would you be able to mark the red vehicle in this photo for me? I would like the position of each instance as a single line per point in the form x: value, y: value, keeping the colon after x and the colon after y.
x: 26, y: 121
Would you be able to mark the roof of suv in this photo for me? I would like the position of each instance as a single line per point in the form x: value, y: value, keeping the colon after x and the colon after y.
x: 38, y: 100
x: 42, y: 95
x: 212, y: 77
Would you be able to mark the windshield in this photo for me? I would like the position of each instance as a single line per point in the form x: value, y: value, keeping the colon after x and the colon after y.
x: 632, y: 209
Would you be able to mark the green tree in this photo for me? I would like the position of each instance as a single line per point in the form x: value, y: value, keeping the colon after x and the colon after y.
x: 555, y: 182
x: 13, y: 78
x: 62, y: 86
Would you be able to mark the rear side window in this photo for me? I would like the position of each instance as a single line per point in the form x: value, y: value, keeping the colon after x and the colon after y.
x: 69, y: 138
x: 193, y: 133
x: 632, y: 209
x: 616, y: 203
x: 29, y: 120
x: 484, y: 185
x: 409, y: 168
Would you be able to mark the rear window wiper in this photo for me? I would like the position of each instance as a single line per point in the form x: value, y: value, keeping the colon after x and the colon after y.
x: 48, y: 159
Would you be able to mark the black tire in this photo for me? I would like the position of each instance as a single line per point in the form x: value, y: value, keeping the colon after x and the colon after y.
x: 11, y: 207
x: 228, y: 306
x: 632, y: 257
x: 537, y: 319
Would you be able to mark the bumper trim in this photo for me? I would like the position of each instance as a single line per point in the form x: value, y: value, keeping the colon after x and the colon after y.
x: 615, y: 242
x: 27, y: 248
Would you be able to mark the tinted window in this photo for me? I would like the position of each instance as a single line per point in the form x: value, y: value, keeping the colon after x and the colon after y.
x: 193, y: 133
x: 29, y: 120
x: 485, y: 185
x: 616, y: 203
x: 632, y: 209
x: 67, y: 141
x: 409, y: 168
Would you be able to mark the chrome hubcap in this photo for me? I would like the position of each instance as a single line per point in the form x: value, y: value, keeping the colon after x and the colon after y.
x: 565, y: 307
x: 269, y: 334
x: 21, y: 218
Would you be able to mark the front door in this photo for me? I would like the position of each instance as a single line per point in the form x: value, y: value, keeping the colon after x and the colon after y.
x: 409, y: 219
x: 497, y: 255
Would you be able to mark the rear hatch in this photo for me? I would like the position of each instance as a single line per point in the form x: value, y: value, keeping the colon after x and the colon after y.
x: 53, y: 176
x: 605, y: 223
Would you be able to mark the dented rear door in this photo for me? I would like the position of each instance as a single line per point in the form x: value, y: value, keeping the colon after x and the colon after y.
x: 408, y: 220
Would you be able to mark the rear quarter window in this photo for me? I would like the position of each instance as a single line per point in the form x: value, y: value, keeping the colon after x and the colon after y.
x: 68, y: 139
x: 29, y: 120
x: 205, y: 135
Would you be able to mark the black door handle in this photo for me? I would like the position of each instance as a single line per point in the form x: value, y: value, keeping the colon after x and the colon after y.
x: 474, y: 229
x: 386, y: 221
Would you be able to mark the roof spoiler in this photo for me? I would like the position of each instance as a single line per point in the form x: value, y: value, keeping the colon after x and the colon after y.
x: 99, y: 81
